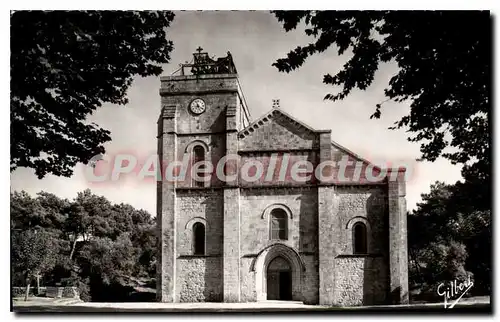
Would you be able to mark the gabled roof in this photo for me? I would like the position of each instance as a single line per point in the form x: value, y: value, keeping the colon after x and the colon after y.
x: 275, y: 112
x: 352, y: 154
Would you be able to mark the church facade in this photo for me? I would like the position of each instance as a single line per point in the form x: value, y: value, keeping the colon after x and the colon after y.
x: 263, y: 235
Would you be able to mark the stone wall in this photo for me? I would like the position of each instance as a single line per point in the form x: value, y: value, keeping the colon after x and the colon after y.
x: 277, y: 131
x: 310, y: 282
x: 48, y: 291
x: 218, y: 92
x: 302, y: 235
x: 21, y: 291
x: 205, y: 205
x: 398, y: 241
x: 359, y: 204
x: 165, y: 210
x: 232, y: 245
x: 355, y: 170
x: 360, y: 280
x: 277, y: 168
x: 201, y: 83
x: 302, y: 203
x: 247, y: 277
x: 199, y: 279
x: 327, y: 243
x: 216, y: 150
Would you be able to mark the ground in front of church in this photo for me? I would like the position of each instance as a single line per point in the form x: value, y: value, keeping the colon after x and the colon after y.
x: 473, y: 305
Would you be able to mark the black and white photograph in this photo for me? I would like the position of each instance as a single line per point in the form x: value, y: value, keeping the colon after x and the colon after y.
x: 259, y: 161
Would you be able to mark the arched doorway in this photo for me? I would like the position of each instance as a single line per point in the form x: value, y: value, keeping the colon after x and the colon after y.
x: 294, y: 262
x: 279, y: 280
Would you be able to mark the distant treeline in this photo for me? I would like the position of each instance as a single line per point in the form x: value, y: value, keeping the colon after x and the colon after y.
x: 105, y: 249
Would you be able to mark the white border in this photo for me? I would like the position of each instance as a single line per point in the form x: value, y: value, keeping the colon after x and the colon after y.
x: 220, y: 5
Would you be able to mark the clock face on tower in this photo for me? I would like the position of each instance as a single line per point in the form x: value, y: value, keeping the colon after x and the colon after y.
x: 197, y: 106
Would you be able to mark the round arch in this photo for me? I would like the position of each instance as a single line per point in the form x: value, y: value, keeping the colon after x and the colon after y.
x: 349, y: 233
x: 281, y: 206
x: 189, y: 235
x: 265, y: 257
x: 192, y: 144
x: 192, y: 221
x: 355, y: 220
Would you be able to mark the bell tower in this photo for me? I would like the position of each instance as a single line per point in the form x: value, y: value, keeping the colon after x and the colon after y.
x: 202, y: 110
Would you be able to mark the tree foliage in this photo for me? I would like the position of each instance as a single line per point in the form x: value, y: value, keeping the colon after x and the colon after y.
x: 444, y: 71
x: 448, y: 239
x: 444, y: 65
x: 100, y: 247
x: 32, y: 253
x: 65, y: 65
x: 111, y: 260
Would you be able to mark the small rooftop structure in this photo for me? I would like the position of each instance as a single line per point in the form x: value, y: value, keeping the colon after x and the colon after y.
x: 202, y: 64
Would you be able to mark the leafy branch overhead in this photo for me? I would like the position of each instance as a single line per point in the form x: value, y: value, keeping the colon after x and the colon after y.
x: 444, y: 71
x: 65, y: 65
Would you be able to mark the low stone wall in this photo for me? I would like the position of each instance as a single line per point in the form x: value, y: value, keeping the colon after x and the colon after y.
x: 48, y: 291
x: 20, y: 291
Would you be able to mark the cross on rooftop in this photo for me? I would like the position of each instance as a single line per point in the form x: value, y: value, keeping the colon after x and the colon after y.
x: 199, y: 49
x: 276, y: 103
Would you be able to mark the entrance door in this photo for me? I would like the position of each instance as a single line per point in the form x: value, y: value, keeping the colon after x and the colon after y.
x: 279, y: 280
x: 273, y: 285
x: 285, y: 286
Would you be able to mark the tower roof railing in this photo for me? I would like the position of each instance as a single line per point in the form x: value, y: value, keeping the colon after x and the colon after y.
x: 202, y: 64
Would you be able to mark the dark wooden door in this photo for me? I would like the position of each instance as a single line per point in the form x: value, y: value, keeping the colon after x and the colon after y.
x: 279, y: 280
x: 273, y: 285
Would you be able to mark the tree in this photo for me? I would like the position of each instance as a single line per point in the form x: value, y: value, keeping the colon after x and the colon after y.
x: 32, y: 254
x: 449, y: 239
x: 102, y: 248
x: 56, y: 210
x: 65, y: 65
x: 108, y: 265
x: 88, y: 217
x: 111, y: 260
x: 444, y: 71
x: 26, y: 212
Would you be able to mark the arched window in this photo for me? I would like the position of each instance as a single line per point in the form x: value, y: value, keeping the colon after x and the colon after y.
x: 359, y: 238
x: 279, y: 224
x: 198, y: 239
x: 198, y: 156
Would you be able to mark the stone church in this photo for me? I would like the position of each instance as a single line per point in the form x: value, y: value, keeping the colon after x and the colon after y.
x: 340, y: 243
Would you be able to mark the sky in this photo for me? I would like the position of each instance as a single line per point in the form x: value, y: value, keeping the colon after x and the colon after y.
x: 255, y: 39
